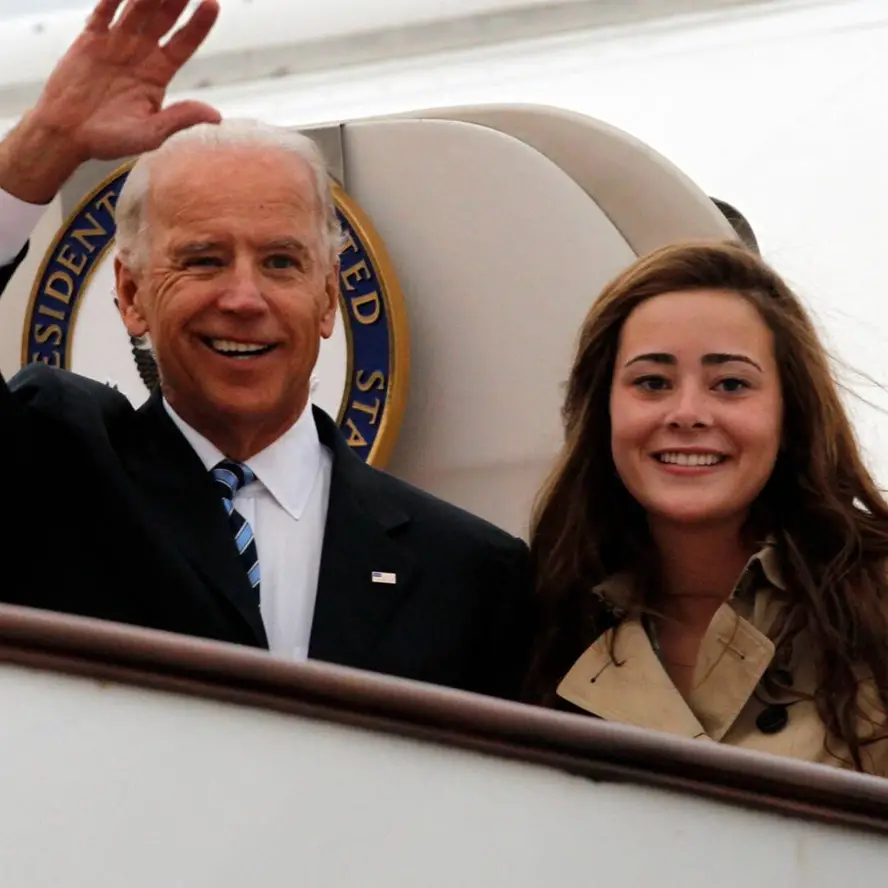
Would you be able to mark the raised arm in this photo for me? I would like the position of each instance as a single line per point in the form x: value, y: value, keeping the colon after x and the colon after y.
x: 103, y: 101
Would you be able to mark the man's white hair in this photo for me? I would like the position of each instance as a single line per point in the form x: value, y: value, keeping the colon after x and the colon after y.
x: 131, y: 216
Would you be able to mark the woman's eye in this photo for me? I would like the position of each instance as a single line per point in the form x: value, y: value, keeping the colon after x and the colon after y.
x: 652, y: 383
x: 732, y: 385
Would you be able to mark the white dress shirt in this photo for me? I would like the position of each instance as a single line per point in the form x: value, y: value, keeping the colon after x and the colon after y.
x: 17, y: 220
x: 287, y: 509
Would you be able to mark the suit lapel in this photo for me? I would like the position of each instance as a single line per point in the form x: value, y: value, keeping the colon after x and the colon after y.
x: 176, y: 484
x: 352, y: 611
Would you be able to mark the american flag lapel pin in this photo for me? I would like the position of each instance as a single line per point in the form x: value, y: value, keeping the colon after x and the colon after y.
x: 379, y: 576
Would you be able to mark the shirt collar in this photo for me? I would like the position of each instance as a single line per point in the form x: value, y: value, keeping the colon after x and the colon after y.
x: 287, y: 468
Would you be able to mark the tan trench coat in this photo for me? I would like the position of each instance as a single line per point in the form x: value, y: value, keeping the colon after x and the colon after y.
x: 727, y: 704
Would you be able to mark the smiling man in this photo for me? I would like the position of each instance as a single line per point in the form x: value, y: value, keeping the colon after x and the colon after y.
x: 227, y: 506
x: 236, y: 285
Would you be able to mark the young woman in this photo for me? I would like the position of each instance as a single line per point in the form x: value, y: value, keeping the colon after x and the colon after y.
x: 710, y: 548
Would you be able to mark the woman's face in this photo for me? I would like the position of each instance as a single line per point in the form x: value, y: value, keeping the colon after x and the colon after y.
x: 696, y: 406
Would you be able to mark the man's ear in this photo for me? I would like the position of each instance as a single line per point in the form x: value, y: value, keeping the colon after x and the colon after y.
x: 129, y: 300
x: 331, y: 292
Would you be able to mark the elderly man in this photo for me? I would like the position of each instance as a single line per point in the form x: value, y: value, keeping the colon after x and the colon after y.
x: 227, y: 506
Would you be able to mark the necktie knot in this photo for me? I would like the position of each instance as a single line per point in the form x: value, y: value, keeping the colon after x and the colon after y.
x: 230, y: 477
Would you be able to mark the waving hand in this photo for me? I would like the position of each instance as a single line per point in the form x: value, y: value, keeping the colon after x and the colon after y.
x: 105, y: 97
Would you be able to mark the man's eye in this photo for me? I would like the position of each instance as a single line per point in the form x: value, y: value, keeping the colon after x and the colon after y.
x: 280, y: 261
x: 203, y: 262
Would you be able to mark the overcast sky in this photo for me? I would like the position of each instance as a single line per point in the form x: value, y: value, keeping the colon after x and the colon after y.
x: 24, y: 7
x: 21, y: 7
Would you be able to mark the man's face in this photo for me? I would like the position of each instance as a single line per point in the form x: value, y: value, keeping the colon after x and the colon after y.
x: 237, y: 288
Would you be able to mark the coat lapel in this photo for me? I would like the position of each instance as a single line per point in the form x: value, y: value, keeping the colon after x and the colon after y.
x: 352, y: 611
x: 636, y: 692
x: 732, y: 661
x: 182, y: 494
x: 733, y: 658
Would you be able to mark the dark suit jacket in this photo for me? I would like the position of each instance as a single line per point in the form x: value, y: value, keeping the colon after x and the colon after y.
x: 114, y: 516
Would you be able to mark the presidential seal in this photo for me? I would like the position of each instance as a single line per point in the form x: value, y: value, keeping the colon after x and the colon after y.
x: 362, y: 370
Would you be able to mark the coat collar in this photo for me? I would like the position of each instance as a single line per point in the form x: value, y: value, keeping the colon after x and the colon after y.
x: 617, y: 590
x: 767, y: 559
x: 734, y: 656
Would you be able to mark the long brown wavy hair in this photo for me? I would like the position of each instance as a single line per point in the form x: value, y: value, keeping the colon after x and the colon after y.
x: 823, y: 509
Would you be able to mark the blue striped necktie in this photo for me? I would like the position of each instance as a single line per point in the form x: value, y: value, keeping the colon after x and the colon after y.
x: 231, y: 476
